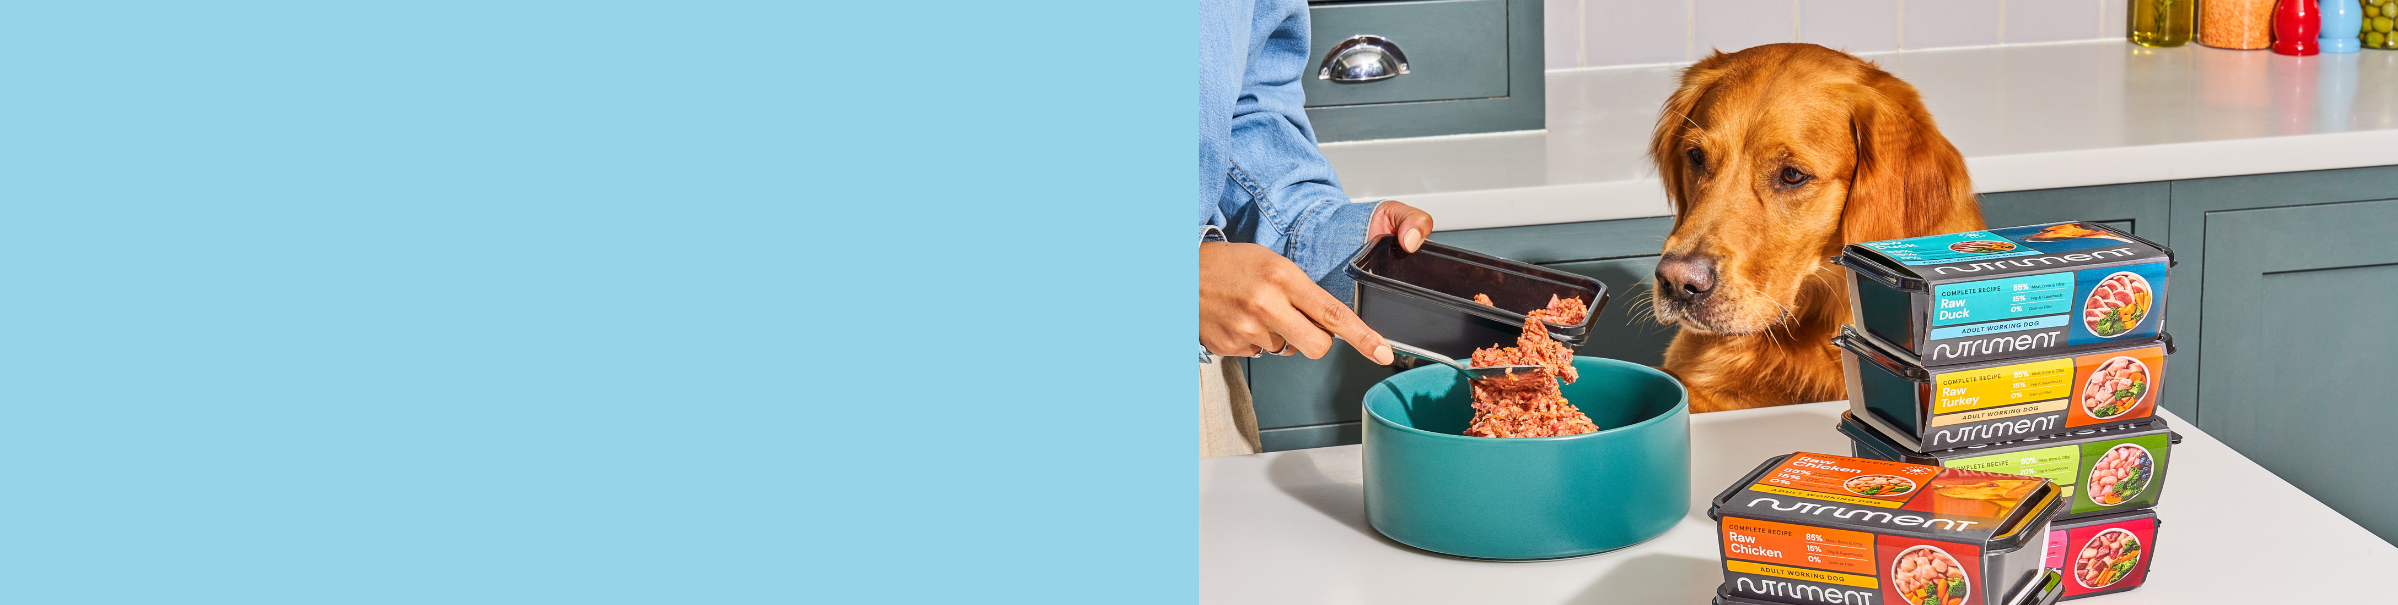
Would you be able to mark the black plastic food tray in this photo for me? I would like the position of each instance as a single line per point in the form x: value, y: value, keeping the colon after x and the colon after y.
x: 2012, y: 557
x: 1426, y: 298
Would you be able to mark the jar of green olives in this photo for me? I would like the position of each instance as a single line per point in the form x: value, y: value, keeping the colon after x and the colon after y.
x: 2381, y: 17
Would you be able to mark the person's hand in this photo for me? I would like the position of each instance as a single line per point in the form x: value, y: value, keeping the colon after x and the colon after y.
x: 1393, y: 218
x: 1253, y: 301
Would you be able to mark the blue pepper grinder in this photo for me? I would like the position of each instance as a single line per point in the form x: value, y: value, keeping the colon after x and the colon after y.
x: 2342, y: 20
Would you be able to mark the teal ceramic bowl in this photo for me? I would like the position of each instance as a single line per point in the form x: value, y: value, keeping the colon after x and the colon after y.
x: 1429, y: 486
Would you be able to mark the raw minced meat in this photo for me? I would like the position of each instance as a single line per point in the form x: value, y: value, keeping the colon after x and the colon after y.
x: 1532, y: 348
x: 1527, y: 404
x: 1568, y: 311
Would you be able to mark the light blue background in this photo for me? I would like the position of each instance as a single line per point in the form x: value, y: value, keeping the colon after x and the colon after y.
x: 603, y: 302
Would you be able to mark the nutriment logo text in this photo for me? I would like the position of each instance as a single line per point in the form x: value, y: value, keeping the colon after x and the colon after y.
x: 2036, y: 261
x: 1995, y: 430
x: 1836, y: 596
x: 1994, y: 345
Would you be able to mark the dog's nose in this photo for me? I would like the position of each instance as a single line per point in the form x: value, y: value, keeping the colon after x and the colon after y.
x: 1685, y: 277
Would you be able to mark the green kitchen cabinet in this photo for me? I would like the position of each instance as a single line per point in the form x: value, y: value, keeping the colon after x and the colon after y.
x: 2283, y: 274
x: 2298, y: 308
x: 2280, y: 299
x: 2194, y: 202
x: 1456, y: 49
x: 1473, y: 66
x: 1303, y: 403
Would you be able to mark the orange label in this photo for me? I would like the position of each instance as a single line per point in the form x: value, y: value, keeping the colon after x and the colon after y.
x: 1850, y: 477
x: 1811, y: 575
x: 1800, y: 545
x: 2115, y: 387
x: 1957, y: 499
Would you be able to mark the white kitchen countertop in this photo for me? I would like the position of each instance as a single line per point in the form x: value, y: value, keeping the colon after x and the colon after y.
x: 1290, y: 527
x: 2026, y: 117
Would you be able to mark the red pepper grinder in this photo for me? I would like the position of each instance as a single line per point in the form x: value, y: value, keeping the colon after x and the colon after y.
x: 2295, y: 25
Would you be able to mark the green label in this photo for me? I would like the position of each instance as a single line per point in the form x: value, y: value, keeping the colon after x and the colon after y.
x: 2057, y: 464
x: 2133, y: 483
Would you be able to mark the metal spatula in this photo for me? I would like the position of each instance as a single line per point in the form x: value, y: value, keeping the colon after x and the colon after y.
x: 1470, y: 371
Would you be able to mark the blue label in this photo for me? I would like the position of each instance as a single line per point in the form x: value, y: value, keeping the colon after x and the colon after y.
x: 1997, y: 299
x: 1999, y: 327
x: 2089, y: 326
x: 1937, y: 249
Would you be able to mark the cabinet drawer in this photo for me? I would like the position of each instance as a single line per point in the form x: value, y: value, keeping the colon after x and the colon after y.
x: 1456, y: 49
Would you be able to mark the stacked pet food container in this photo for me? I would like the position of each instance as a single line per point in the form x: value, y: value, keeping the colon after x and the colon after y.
x: 2033, y: 351
x: 2006, y: 448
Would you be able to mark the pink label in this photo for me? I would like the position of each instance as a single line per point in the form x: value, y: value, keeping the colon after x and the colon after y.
x: 2108, y: 557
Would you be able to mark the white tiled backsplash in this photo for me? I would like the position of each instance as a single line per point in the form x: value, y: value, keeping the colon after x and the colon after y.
x: 1597, y: 33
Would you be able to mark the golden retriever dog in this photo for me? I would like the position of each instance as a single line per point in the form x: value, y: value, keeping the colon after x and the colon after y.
x: 1774, y: 157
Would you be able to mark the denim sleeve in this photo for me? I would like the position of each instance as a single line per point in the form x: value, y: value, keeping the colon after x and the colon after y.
x: 1291, y: 192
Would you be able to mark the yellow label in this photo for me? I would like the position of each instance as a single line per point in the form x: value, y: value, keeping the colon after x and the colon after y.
x: 2003, y: 385
x: 1857, y: 500
x: 1845, y: 579
x: 2044, y: 407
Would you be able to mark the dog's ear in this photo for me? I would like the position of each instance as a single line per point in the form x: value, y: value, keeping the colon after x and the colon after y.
x: 1909, y: 178
x: 1665, y: 144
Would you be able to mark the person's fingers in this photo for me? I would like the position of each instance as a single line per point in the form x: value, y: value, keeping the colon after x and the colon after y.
x: 1414, y: 228
x: 1279, y: 346
x: 1295, y: 328
x: 1240, y: 338
x: 1328, y: 313
x: 1409, y: 224
x: 1224, y: 346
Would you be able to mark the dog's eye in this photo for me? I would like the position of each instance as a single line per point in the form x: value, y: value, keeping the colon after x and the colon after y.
x: 1792, y: 177
x: 1698, y: 159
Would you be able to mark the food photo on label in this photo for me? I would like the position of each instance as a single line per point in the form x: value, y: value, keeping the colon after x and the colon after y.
x: 1930, y: 576
x: 2117, y: 305
x: 2121, y: 474
x: 1947, y: 406
x: 2106, y: 559
x: 1814, y: 528
x: 2103, y: 554
x: 2116, y: 388
x: 1880, y: 485
x: 2001, y: 293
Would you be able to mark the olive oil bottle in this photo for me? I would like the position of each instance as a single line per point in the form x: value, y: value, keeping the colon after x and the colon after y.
x: 2165, y: 23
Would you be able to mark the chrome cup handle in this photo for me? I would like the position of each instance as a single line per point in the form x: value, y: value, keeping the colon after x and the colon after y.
x: 1363, y: 59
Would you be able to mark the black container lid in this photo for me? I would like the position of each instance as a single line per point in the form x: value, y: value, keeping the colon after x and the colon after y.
x: 1450, y: 276
x: 1900, y: 364
x: 1870, y: 436
x: 2113, y: 517
x: 1881, y: 268
x: 2019, y: 528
